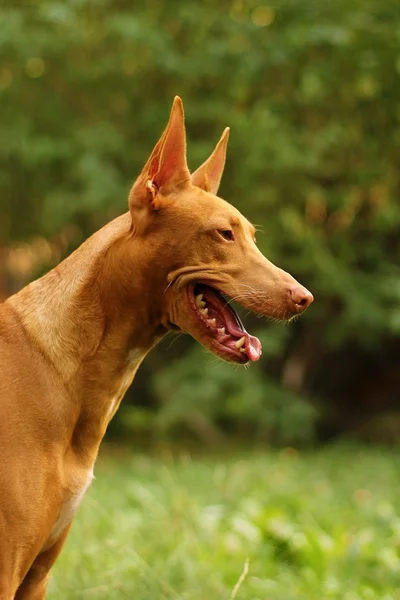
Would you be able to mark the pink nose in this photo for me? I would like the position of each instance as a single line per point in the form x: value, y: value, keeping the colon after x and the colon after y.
x: 301, y: 297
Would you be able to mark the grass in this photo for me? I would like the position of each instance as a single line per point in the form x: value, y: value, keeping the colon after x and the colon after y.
x: 259, y: 526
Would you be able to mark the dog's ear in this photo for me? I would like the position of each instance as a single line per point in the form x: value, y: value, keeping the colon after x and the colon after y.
x: 208, y: 175
x: 166, y: 170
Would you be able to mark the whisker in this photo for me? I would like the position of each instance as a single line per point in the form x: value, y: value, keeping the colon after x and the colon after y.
x: 170, y: 283
x: 176, y: 336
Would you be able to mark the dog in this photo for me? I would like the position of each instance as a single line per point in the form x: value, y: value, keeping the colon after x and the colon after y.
x: 72, y: 341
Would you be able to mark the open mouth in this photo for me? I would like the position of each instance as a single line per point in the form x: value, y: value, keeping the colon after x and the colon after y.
x: 224, y: 328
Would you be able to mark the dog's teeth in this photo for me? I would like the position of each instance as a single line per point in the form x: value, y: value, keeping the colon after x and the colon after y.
x: 212, y: 322
x: 240, y: 342
x: 204, y: 311
x: 242, y: 350
x: 199, y: 301
x: 221, y: 330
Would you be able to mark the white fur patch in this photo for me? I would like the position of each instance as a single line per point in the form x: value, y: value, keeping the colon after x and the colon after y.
x: 133, y: 361
x: 70, y: 506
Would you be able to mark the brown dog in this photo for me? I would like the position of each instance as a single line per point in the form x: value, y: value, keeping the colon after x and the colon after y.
x: 71, y: 342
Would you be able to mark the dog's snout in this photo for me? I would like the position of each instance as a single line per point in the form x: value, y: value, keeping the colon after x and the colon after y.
x: 301, y: 297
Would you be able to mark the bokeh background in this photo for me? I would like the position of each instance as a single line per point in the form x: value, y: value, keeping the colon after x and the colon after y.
x: 311, y: 92
x: 270, y: 482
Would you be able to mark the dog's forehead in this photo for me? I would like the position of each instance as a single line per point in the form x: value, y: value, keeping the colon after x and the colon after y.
x: 210, y: 205
x: 224, y: 209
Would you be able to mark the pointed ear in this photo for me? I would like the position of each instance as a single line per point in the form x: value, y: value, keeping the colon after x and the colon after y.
x: 208, y: 176
x: 166, y: 169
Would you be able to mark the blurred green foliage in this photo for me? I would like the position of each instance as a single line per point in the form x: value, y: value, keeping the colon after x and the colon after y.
x: 191, y: 396
x: 311, y: 93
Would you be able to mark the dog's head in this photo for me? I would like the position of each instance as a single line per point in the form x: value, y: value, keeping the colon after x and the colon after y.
x: 204, y: 250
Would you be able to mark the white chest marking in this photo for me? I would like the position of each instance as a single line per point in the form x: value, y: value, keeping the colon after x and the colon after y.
x: 134, y: 359
x: 70, y: 506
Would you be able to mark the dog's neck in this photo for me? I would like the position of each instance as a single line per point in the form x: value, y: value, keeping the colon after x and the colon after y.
x: 94, y: 318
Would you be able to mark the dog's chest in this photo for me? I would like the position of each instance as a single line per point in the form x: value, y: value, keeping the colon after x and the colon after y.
x: 70, y: 504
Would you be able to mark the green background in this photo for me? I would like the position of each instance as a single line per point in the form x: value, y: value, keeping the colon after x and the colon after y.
x: 311, y: 92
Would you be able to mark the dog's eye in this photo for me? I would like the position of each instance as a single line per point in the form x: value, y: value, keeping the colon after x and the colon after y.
x: 227, y: 234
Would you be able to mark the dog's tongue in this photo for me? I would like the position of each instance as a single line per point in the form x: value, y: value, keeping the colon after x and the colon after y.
x: 252, y: 343
x: 232, y: 322
x: 253, y: 347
